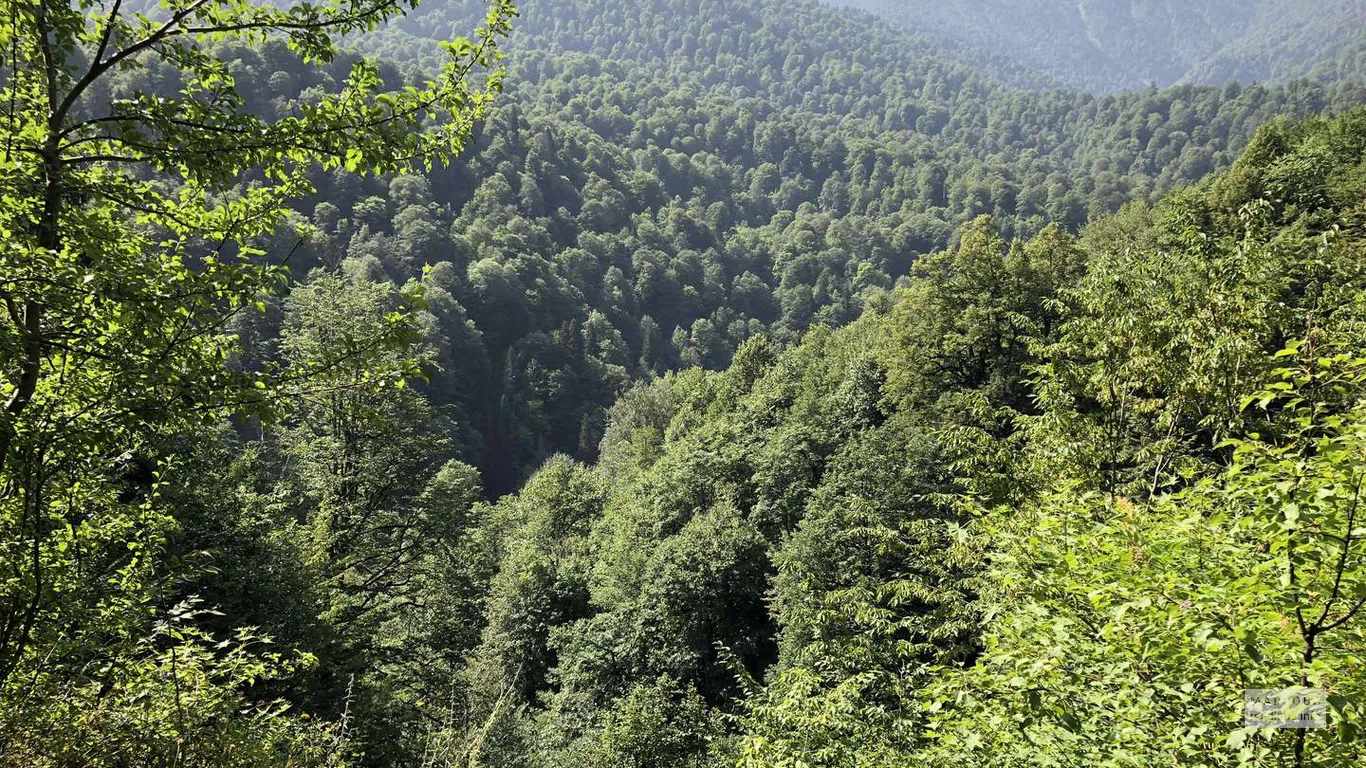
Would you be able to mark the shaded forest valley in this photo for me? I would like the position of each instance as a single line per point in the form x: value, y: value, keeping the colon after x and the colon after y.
x: 637, y: 383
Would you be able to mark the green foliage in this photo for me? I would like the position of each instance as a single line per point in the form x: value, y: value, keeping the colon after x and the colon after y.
x: 1044, y: 498
x: 1182, y: 309
x: 1110, y: 622
x: 1130, y: 631
x: 1038, y: 504
x: 657, y: 725
x: 138, y: 189
x: 172, y: 697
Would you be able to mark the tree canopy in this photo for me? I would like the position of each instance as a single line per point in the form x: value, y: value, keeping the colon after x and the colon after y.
x: 745, y: 386
x: 137, y: 187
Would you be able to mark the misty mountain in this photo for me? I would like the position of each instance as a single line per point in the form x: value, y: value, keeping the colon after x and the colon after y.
x: 1106, y: 45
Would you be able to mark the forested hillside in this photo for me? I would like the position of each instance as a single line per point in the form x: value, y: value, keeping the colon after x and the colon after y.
x: 664, y: 180
x: 1110, y: 45
x: 1036, y: 507
x: 704, y: 383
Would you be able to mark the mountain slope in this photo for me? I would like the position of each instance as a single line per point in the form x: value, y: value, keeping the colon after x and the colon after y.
x: 663, y: 180
x: 1105, y: 45
x: 853, y: 520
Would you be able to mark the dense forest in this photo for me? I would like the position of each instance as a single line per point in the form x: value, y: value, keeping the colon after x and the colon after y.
x: 632, y: 383
x: 1035, y: 507
x: 662, y: 181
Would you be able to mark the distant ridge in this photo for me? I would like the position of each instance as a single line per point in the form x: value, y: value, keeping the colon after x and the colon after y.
x: 1109, y: 45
